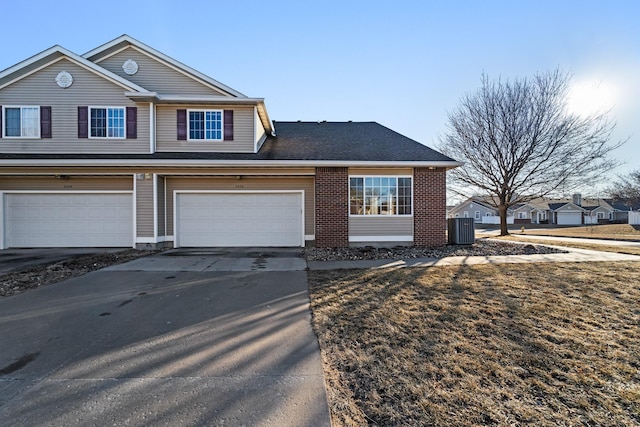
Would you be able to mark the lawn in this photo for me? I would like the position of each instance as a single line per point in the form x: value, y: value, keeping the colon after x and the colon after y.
x: 630, y: 250
x: 601, y: 231
x: 481, y: 345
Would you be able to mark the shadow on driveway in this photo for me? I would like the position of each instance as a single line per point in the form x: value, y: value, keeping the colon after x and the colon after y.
x: 151, y: 347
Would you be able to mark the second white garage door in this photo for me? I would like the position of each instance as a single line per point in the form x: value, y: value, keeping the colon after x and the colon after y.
x: 239, y: 219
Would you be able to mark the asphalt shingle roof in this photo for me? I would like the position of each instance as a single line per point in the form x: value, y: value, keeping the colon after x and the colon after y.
x: 322, y: 141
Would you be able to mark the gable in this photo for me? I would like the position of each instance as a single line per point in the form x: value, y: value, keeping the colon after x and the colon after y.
x: 156, y: 75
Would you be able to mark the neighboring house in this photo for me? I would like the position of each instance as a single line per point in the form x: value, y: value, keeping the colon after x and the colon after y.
x: 474, y: 208
x: 126, y: 147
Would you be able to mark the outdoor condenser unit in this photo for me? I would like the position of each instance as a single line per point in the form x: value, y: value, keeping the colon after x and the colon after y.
x: 461, y: 231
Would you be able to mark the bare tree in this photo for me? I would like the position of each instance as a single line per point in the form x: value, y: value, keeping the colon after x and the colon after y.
x: 518, y: 141
x: 627, y: 189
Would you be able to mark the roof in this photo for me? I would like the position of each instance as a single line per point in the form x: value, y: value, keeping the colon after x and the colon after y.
x: 307, y: 143
x: 348, y: 141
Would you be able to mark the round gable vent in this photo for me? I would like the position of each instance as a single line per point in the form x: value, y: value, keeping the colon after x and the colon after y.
x: 64, y: 79
x: 130, y: 67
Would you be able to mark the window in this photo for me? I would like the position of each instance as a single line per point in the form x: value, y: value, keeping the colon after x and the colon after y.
x: 600, y: 215
x: 21, y: 122
x: 477, y: 215
x: 380, y: 195
x: 106, y: 122
x: 205, y: 125
x: 522, y: 215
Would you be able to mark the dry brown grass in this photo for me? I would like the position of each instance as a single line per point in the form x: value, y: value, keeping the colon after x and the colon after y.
x: 580, y: 245
x: 602, y: 231
x: 481, y: 345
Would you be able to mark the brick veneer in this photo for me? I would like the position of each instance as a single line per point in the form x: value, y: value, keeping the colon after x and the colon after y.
x: 429, y: 207
x: 332, y: 207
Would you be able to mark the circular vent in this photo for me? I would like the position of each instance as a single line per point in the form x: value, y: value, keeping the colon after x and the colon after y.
x: 64, y: 79
x: 130, y: 67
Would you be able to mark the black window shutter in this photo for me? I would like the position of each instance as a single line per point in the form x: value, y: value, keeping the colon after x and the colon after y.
x: 228, y: 125
x: 83, y: 122
x: 132, y: 122
x: 182, y: 125
x: 45, y: 122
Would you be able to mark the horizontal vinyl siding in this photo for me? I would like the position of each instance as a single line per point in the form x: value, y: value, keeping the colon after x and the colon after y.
x: 70, y: 184
x: 381, y: 171
x: 144, y: 207
x: 380, y: 226
x: 156, y: 76
x: 248, y: 184
x: 161, y: 206
x: 88, y: 89
x: 167, y: 140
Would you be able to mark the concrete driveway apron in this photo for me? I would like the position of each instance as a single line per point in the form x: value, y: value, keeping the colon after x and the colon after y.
x: 186, y: 337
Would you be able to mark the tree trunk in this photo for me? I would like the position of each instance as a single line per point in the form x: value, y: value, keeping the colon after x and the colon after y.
x: 502, y: 209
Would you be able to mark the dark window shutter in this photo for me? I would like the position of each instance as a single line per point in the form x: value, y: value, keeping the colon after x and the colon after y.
x: 83, y: 122
x: 132, y: 122
x: 228, y: 125
x: 1, y: 130
x: 45, y: 122
x: 182, y: 125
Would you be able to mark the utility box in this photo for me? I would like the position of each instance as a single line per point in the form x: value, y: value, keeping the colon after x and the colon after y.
x: 461, y: 231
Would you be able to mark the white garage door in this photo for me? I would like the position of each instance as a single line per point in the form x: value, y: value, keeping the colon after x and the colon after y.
x: 239, y: 219
x: 569, y: 218
x: 69, y: 220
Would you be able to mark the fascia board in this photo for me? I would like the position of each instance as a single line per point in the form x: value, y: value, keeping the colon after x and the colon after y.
x: 148, y: 49
x: 226, y: 163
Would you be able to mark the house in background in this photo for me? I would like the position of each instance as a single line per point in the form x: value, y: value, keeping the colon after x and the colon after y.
x: 126, y: 147
x: 574, y: 211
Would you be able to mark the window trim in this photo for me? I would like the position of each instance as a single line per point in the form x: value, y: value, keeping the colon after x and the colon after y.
x: 205, y: 110
x: 4, y: 122
x: 106, y: 108
x: 396, y: 215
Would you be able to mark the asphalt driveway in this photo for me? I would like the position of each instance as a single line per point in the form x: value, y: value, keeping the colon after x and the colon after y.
x: 166, y: 340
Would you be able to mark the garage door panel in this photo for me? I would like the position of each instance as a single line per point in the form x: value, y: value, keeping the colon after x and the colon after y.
x: 69, y: 220
x: 221, y: 219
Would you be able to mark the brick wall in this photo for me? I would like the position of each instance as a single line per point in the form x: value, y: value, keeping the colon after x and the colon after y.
x: 332, y: 207
x: 429, y: 207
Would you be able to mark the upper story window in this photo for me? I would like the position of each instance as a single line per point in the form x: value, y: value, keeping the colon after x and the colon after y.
x: 21, y: 122
x: 205, y: 125
x: 107, y: 122
x: 384, y: 195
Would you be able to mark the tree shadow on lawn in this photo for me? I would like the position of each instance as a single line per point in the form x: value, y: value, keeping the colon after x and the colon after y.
x: 481, y: 345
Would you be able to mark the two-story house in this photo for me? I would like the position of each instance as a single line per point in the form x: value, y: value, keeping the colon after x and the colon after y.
x: 126, y: 147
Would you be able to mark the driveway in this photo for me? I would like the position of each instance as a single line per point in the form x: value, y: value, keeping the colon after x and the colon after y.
x: 179, y: 338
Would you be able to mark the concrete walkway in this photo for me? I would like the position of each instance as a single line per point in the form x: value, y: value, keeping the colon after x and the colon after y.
x: 573, y: 255
x: 581, y: 240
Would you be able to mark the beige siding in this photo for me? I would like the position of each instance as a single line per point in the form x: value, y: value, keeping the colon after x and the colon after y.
x: 380, y: 226
x: 144, y: 207
x: 260, y: 132
x: 72, y: 183
x: 155, y: 75
x: 88, y: 89
x: 381, y: 171
x: 243, y: 132
x: 245, y: 184
x: 161, y: 191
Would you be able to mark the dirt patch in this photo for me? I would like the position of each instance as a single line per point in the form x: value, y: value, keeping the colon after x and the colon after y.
x: 481, y: 345
x: 16, y: 282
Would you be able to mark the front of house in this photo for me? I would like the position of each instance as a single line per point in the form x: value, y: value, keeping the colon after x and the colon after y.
x: 126, y: 147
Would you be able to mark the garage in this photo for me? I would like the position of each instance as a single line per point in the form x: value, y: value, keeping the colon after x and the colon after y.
x: 569, y: 218
x: 239, y: 219
x: 68, y: 220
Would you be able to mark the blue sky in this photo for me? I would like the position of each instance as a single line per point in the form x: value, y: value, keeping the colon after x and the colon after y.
x: 404, y: 64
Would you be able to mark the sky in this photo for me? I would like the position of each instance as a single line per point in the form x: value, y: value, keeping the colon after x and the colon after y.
x: 404, y: 64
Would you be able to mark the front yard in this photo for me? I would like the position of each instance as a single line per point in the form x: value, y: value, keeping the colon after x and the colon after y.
x: 521, y: 344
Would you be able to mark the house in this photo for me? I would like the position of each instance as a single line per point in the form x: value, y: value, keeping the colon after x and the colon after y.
x: 473, y: 207
x: 126, y: 147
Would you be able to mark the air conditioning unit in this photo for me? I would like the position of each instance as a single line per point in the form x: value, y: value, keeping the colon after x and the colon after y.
x: 461, y: 231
